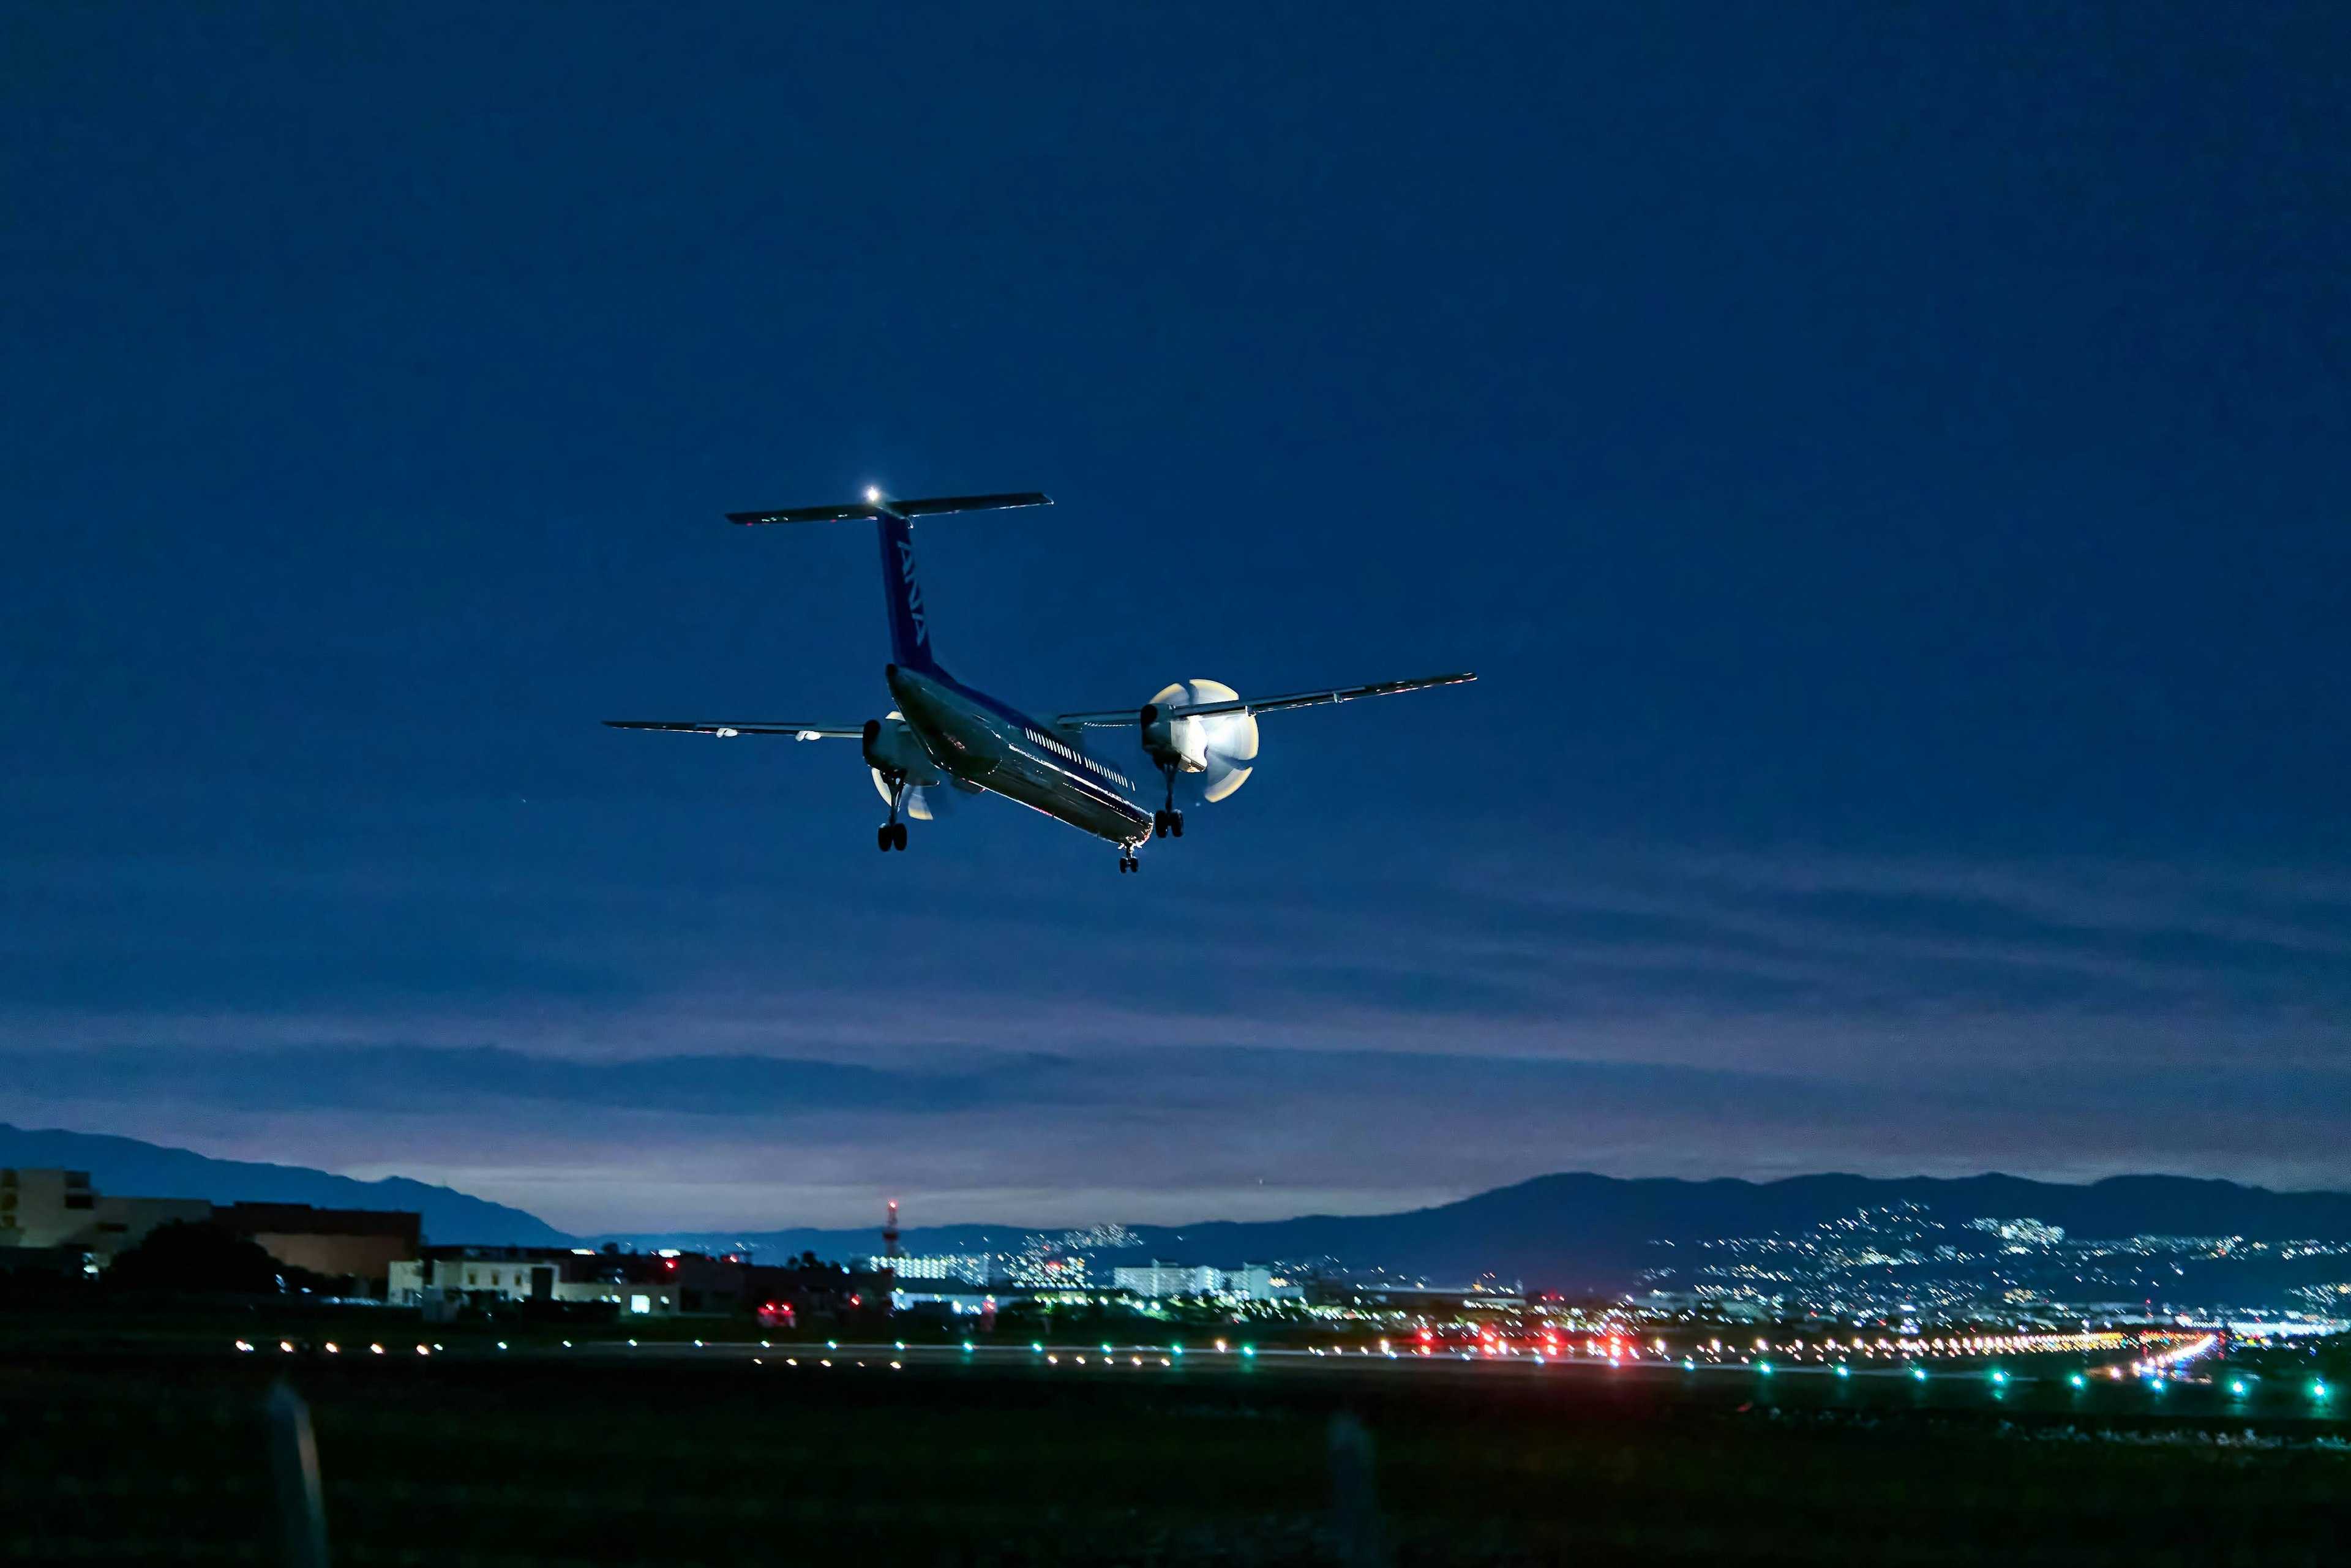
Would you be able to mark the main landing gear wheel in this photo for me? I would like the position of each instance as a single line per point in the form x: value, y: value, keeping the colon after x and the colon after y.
x: 892, y: 835
x: 1170, y: 819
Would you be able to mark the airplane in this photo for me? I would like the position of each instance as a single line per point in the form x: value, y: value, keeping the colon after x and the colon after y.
x: 946, y: 738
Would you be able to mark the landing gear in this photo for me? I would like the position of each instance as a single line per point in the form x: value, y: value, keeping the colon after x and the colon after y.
x: 1170, y: 819
x: 891, y: 834
x: 1128, y: 863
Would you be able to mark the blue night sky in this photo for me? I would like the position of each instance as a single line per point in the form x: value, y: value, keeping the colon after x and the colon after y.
x: 1889, y: 466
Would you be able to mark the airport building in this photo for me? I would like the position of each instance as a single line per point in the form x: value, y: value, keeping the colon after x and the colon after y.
x: 62, y: 1210
x: 448, y: 1278
x: 666, y: 1283
x: 361, y: 1243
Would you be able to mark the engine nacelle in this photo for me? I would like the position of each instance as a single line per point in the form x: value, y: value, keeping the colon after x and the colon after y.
x: 891, y: 748
x: 1218, y: 747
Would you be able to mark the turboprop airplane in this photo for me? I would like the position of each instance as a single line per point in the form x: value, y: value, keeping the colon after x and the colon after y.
x: 946, y: 738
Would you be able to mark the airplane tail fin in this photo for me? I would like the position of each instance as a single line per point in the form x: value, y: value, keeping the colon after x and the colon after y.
x: 901, y: 587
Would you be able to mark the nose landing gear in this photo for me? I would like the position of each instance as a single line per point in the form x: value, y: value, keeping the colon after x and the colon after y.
x: 1128, y: 863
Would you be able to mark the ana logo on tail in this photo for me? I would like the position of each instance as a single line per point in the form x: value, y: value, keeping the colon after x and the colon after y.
x: 914, y: 594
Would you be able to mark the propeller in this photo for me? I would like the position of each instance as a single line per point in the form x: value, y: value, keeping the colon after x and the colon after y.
x: 923, y: 803
x: 1220, y: 747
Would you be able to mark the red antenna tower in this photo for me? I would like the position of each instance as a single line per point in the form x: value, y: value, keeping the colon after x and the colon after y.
x: 890, y: 1232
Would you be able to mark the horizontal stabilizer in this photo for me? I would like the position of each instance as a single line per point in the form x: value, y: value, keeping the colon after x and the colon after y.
x: 883, y: 506
x: 728, y: 728
x: 1262, y: 705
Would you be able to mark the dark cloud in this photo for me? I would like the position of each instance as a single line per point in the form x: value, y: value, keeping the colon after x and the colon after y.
x: 1885, y: 466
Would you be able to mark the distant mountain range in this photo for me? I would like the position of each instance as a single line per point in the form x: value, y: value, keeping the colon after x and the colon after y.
x: 1583, y: 1233
x: 1578, y: 1233
x: 133, y: 1169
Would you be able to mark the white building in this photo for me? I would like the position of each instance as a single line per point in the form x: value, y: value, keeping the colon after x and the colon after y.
x: 1156, y: 1279
x: 982, y: 1268
x: 524, y: 1274
x: 1249, y: 1283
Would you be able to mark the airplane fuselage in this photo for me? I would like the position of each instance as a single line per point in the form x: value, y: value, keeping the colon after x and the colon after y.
x: 992, y: 745
x: 947, y: 736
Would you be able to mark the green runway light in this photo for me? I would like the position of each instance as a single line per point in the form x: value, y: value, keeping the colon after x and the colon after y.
x: 1248, y: 1350
x: 1844, y: 1371
x: 1689, y: 1365
x: 967, y: 1347
x: 1037, y: 1347
x: 2318, y: 1390
x: 2236, y: 1386
x: 1764, y: 1367
x: 1998, y: 1375
x: 2078, y: 1381
x: 1919, y: 1373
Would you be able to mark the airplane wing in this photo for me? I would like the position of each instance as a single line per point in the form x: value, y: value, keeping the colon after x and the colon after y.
x: 1262, y: 705
x: 727, y: 728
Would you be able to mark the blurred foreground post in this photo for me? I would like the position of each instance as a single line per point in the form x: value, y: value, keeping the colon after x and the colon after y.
x: 293, y: 1455
x: 1355, y: 1509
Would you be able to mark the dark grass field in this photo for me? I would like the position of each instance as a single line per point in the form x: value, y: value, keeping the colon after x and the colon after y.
x: 157, y: 1452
